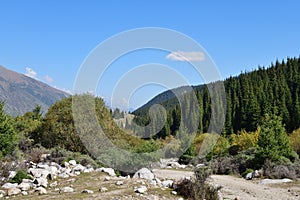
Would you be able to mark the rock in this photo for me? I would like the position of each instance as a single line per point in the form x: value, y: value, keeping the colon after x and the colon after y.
x: 24, y: 193
x: 12, y: 174
x: 42, y: 166
x: 275, y: 181
x: 257, y: 174
x: 107, y: 178
x: 118, y: 183
x: 63, y: 175
x: 144, y: 173
x: 72, y: 162
x: 10, y: 185
x: 88, y: 170
x: 167, y: 183
x: 41, y: 190
x: 79, y: 168
x: 41, y: 182
x: 24, y: 186
x: 174, y: 192
x: 37, y: 173
x: 152, y: 182
x: 13, y: 191
x: 103, y: 189
x: 109, y: 171
x: 54, y: 184
x: 52, y: 176
x: 67, y: 190
x: 142, y: 189
x: 237, y: 198
x: 87, y: 191
x: 249, y: 176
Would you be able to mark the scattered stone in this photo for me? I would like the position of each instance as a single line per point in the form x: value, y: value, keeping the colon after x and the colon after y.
x: 88, y: 170
x: 13, y: 191
x: 174, y: 192
x: 42, y: 166
x: 237, y: 198
x: 72, y: 162
x: 87, y: 191
x: 107, y: 178
x: 141, y: 190
x: 24, y: 186
x: 103, y: 189
x: 41, y: 190
x: 12, y: 174
x: 109, y: 171
x: 67, y: 190
x: 79, y: 168
x: 9, y: 185
x: 37, y: 173
x: 167, y: 183
x: 118, y: 183
x: 41, y: 182
x: 144, y: 173
x: 63, y: 175
x: 249, y: 176
x: 24, y: 193
x: 54, y: 184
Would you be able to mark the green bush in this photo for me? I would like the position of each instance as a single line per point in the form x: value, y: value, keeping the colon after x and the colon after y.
x: 8, y: 136
x: 19, y: 177
x: 248, y: 170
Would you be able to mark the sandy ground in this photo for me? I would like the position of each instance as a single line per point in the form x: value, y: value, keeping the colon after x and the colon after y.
x: 233, y: 187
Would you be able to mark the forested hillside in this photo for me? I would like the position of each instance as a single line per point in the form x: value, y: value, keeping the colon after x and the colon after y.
x: 250, y: 96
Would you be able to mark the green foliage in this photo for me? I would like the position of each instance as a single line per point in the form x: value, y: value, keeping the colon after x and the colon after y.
x: 244, y: 140
x: 295, y: 140
x: 273, y: 142
x: 19, y: 177
x: 248, y: 170
x: 8, y: 136
x: 146, y: 147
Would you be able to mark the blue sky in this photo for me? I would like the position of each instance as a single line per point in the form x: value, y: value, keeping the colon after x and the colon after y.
x: 51, y: 39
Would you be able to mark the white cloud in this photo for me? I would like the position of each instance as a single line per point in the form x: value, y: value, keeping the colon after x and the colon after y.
x: 31, y: 73
x: 186, y: 56
x: 48, y: 79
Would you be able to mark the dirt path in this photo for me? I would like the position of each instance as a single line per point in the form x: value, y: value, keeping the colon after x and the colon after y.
x: 233, y: 187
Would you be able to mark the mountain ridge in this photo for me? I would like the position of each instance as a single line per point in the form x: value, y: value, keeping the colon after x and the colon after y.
x: 21, y: 94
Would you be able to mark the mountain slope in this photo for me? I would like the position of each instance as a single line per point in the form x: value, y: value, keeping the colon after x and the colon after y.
x: 250, y: 96
x: 21, y: 94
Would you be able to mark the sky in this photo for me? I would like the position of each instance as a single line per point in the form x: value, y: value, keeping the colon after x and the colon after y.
x: 50, y: 40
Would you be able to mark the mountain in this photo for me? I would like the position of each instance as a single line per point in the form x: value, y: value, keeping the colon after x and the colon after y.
x: 249, y: 96
x: 21, y: 94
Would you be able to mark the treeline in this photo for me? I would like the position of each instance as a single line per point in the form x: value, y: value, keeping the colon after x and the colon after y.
x: 249, y: 96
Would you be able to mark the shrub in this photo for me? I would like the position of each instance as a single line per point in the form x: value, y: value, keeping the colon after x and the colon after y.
x: 248, y: 170
x: 8, y: 136
x: 273, y: 141
x: 295, y: 140
x: 197, y: 188
x: 244, y: 140
x: 19, y: 177
x: 281, y: 169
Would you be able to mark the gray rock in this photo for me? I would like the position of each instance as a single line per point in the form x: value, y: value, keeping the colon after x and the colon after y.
x: 167, y: 183
x: 10, y: 185
x: 24, y: 186
x: 67, y: 190
x: 37, y: 173
x: 63, y: 175
x: 42, y: 166
x: 144, y: 173
x: 88, y: 170
x: 41, y: 190
x: 174, y: 192
x: 12, y: 174
x: 103, y: 189
x: 118, y: 183
x: 41, y: 182
x: 87, y: 191
x: 13, y: 191
x: 54, y: 184
x: 24, y: 193
x: 142, y: 189
x: 249, y: 176
x: 72, y: 162
x: 79, y: 168
x: 109, y: 171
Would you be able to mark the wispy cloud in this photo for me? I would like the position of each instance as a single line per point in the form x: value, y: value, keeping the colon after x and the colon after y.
x: 48, y: 79
x: 31, y: 73
x: 186, y: 56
